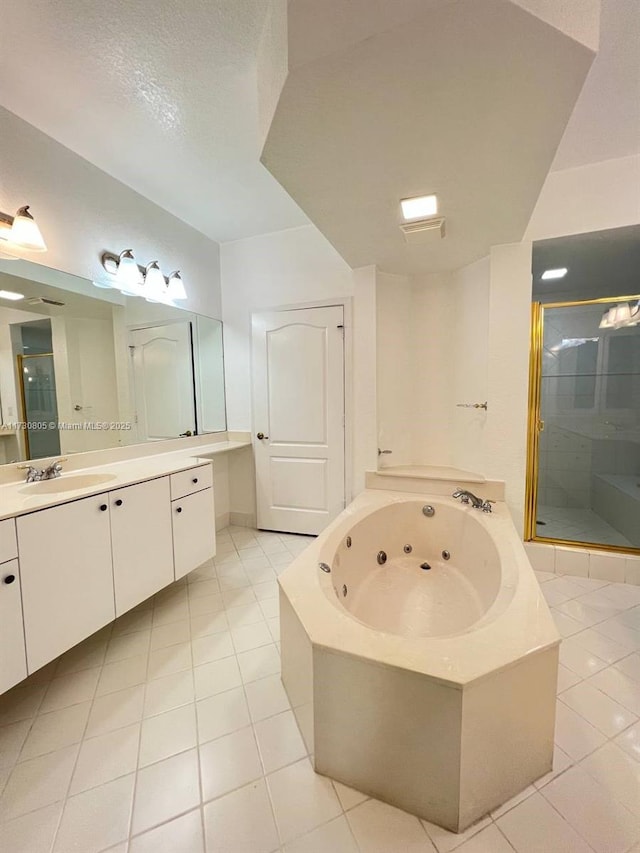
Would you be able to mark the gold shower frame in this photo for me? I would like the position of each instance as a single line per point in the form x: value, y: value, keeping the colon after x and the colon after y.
x: 536, y: 425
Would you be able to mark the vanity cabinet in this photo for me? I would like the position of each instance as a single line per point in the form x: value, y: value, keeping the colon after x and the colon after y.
x: 66, y: 576
x: 193, y: 518
x: 13, y: 661
x: 140, y: 541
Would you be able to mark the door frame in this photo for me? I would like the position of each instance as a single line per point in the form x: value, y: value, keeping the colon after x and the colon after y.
x: 536, y: 425
x: 346, y: 303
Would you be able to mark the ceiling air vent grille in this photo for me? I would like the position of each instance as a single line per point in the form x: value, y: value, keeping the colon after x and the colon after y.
x: 423, y: 229
x: 42, y: 300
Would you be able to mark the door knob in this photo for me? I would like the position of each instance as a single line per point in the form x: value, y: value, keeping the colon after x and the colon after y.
x: 186, y: 434
x: 261, y: 435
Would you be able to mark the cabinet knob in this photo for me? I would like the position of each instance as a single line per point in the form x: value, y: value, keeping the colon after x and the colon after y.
x: 179, y: 509
x: 195, y: 480
x: 119, y: 502
x: 9, y: 578
x: 103, y: 507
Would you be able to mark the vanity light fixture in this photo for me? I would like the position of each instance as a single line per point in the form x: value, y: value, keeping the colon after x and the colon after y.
x: 133, y: 280
x: 419, y: 207
x: 10, y: 294
x: 21, y: 232
x: 551, y: 275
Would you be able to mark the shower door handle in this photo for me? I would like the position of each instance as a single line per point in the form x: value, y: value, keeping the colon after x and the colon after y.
x: 540, y: 425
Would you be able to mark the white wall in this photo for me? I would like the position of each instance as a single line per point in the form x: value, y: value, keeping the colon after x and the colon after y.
x: 290, y: 268
x: 82, y: 212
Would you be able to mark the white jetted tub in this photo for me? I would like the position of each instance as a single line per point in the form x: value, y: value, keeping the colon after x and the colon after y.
x: 420, y: 656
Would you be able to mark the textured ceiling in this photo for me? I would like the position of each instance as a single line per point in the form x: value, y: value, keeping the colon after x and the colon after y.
x: 159, y: 94
x: 606, y: 120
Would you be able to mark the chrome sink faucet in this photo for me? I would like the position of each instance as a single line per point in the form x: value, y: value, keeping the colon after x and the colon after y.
x: 469, y: 498
x: 35, y: 475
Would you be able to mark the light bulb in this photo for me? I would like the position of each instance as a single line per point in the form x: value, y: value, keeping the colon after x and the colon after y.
x: 128, y: 276
x: 155, y: 287
x: 176, y: 287
x: 25, y: 232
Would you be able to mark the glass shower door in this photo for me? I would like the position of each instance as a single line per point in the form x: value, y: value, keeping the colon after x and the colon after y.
x: 39, y: 404
x: 586, y: 422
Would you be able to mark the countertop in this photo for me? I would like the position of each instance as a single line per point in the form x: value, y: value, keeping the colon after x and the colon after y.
x: 21, y: 498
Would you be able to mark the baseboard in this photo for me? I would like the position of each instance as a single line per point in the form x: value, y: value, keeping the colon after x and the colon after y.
x: 222, y: 521
x: 242, y: 519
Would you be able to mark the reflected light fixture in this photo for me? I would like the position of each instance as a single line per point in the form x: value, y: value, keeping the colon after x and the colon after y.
x: 20, y: 232
x: 552, y: 275
x: 131, y: 279
x: 621, y: 316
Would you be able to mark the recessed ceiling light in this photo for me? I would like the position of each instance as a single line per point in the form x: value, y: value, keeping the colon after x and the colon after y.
x: 419, y: 207
x: 548, y: 275
x: 9, y: 294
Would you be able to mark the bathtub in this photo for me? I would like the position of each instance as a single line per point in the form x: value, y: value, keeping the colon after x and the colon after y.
x: 419, y: 655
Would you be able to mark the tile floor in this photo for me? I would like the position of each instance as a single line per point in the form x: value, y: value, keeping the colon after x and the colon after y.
x: 169, y: 732
x: 578, y: 525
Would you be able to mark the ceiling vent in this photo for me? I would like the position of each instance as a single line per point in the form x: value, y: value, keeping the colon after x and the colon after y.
x: 42, y: 300
x: 423, y: 229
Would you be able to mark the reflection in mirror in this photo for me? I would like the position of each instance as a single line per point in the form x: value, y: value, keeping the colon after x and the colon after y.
x: 83, y: 368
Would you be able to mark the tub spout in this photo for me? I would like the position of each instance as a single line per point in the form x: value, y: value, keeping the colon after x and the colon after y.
x: 469, y: 498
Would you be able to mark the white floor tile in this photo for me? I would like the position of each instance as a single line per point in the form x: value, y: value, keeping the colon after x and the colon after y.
x: 21, y: 703
x: 212, y: 647
x: 279, y: 741
x: 165, y: 790
x: 228, y: 763
x: 561, y: 762
x: 578, y: 659
x: 181, y: 835
x: 488, y: 840
x: 219, y: 715
x: 512, y: 802
x: 629, y: 741
x: 597, y: 708
x: 618, y: 773
x: 335, y: 836
x: 258, y: 663
x: 616, y: 685
x: 245, y: 614
x: 97, y: 819
x: 169, y: 660
x: 266, y: 697
x: 566, y: 678
x: 115, y: 710
x: 216, y: 677
x: 574, y: 735
x: 122, y: 674
x: 379, y: 828
x: 301, y: 799
x: 246, y: 637
x: 241, y: 822
x: 205, y: 604
x: 168, y: 734
x: 445, y: 841
x: 171, y: 634
x: 55, y: 730
x: 208, y: 623
x: 106, y: 757
x: 70, y: 689
x: 604, y: 823
x: 349, y: 797
x: 535, y: 827
x: 33, y: 832
x: 128, y: 646
x: 38, y: 782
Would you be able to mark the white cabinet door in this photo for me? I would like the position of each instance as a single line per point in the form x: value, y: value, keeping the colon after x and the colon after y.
x: 67, y: 580
x: 140, y: 541
x: 13, y: 661
x: 194, y: 531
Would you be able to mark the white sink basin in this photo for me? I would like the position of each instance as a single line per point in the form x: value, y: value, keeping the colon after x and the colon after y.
x: 66, y: 483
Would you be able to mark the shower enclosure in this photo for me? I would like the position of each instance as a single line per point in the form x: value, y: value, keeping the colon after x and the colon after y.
x: 584, y: 424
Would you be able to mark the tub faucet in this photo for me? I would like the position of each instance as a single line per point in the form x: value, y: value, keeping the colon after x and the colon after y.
x: 469, y: 498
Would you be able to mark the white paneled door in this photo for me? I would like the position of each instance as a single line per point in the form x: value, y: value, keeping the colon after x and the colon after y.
x: 162, y: 363
x: 298, y: 416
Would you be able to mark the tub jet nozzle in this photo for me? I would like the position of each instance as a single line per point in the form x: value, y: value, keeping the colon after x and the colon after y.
x: 425, y: 566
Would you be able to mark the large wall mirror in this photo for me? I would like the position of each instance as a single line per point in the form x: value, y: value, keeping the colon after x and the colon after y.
x: 584, y: 430
x: 84, y: 368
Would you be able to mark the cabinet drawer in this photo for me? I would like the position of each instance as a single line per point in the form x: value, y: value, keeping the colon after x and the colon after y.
x: 8, y: 541
x: 194, y: 480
